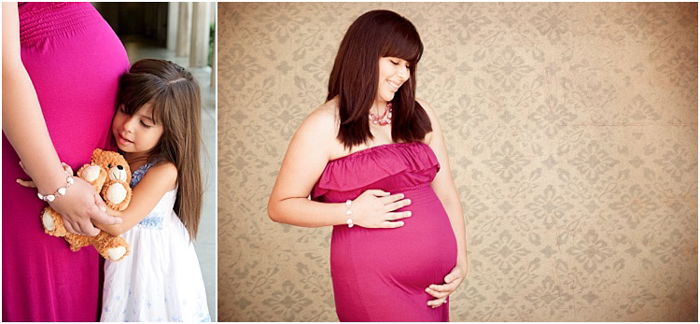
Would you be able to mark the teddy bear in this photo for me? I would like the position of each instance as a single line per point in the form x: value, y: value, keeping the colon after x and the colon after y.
x: 109, y: 173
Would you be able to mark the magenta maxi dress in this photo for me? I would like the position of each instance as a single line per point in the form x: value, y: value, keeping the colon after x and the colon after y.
x: 381, y: 274
x: 74, y: 60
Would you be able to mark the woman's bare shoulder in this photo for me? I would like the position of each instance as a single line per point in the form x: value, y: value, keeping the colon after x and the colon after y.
x: 323, y: 120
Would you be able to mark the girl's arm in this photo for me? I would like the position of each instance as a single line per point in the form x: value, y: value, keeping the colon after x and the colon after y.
x: 307, y: 155
x: 159, y: 179
x: 24, y: 126
x: 444, y: 187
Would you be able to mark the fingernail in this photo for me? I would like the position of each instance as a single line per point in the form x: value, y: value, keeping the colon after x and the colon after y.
x: 408, y: 201
x: 401, y: 223
x: 410, y: 214
x: 402, y: 195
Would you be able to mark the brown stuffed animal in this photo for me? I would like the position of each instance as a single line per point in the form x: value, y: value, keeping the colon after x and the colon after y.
x: 109, y: 173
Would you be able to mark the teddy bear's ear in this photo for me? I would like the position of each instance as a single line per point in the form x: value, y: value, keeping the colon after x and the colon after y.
x: 96, y: 154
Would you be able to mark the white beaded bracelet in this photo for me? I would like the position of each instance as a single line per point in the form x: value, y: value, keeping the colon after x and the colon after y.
x: 61, y: 191
x: 348, y: 212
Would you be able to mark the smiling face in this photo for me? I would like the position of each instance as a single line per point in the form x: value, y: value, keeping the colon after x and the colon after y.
x: 393, y: 72
x: 137, y: 133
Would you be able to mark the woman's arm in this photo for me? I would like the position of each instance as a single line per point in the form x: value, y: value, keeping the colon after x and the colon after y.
x: 25, y: 128
x: 444, y: 187
x: 307, y: 156
x: 159, y: 179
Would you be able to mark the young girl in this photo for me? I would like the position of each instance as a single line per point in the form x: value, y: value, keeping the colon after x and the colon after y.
x: 157, y: 129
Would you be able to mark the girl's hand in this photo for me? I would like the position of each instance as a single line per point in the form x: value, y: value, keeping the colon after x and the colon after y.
x: 452, y: 281
x: 376, y: 209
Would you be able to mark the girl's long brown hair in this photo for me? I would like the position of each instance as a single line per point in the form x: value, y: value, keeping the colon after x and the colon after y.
x: 355, y: 74
x: 175, y: 98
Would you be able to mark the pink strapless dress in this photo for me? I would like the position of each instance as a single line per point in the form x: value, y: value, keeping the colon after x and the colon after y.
x: 74, y: 60
x: 381, y: 274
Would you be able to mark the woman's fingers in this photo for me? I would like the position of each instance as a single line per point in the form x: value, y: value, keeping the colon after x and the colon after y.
x: 69, y: 227
x: 377, y: 192
x: 436, y: 294
x: 437, y: 302
x: 455, y: 274
x: 26, y: 183
x: 99, y: 213
x: 397, y: 215
x: 448, y: 287
x: 100, y: 203
x: 391, y: 198
x: 388, y: 224
x: 67, y: 168
x: 396, y: 205
x: 442, y: 292
x: 88, y: 229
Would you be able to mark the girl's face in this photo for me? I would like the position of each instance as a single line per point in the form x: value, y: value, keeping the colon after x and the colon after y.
x: 137, y: 133
x: 393, y: 72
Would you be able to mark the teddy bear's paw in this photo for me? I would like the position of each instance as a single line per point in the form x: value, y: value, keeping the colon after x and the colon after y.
x: 90, y: 173
x: 116, y: 253
x: 47, y: 221
x: 52, y: 225
x: 116, y: 193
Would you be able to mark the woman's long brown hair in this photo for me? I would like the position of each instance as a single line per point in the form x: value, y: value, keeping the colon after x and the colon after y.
x: 355, y: 76
x: 175, y: 98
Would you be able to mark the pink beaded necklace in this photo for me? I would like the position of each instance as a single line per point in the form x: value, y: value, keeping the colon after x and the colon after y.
x: 383, y: 119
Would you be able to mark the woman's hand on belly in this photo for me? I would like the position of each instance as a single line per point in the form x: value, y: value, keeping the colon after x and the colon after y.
x: 376, y: 209
x: 452, y: 281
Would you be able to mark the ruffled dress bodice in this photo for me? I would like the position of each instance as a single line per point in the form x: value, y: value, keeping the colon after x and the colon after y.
x: 390, y: 167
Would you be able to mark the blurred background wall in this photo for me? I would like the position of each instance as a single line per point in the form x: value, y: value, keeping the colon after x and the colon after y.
x: 572, y: 134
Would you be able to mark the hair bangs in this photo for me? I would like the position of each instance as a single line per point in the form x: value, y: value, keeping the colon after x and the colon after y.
x: 402, y: 41
x: 138, y: 90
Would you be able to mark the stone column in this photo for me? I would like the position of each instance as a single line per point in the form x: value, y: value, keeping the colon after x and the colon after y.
x: 184, y: 28
x: 199, y: 48
x: 172, y: 25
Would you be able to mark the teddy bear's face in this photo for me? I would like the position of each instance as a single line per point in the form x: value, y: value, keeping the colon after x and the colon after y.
x: 112, y: 177
x: 115, y: 164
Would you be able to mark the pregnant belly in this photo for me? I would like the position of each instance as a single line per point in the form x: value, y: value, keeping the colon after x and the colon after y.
x: 415, y: 255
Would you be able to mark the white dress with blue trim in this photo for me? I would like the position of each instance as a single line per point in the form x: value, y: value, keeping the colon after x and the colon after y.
x: 160, y: 279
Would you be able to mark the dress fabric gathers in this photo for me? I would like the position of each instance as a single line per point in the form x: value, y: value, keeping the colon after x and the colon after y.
x: 381, y: 274
x: 74, y: 60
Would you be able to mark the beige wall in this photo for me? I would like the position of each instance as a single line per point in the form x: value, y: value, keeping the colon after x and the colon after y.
x: 572, y: 133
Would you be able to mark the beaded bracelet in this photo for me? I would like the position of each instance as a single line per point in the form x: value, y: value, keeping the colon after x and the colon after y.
x: 348, y: 212
x: 61, y: 191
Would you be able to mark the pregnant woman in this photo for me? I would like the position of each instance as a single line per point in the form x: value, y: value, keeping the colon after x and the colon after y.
x: 61, y: 64
x: 374, y: 162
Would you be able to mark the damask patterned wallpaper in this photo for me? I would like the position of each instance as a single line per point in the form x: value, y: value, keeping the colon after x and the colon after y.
x: 572, y: 133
